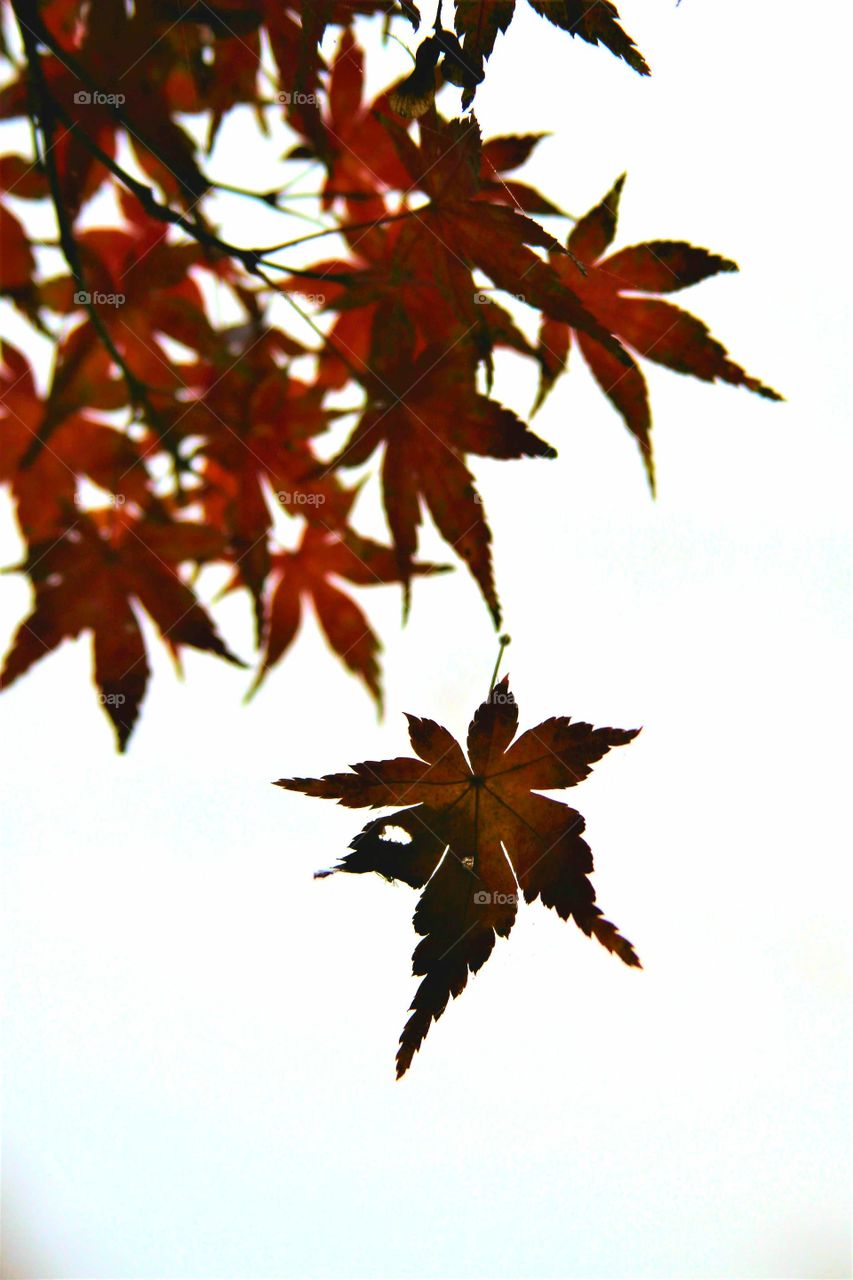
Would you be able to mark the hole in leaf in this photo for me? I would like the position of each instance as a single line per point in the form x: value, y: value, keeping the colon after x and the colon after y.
x: 397, y: 834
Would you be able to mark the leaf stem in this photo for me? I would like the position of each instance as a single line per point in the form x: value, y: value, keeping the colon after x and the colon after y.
x: 504, y: 641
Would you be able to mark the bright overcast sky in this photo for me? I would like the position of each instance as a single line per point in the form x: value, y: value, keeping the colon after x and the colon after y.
x: 201, y: 1037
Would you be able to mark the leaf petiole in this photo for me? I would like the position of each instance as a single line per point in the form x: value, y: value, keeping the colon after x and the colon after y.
x: 504, y: 641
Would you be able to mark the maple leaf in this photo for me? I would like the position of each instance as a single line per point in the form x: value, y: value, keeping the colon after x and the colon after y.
x: 596, y: 23
x: 308, y: 574
x: 86, y: 580
x: 79, y: 175
x: 360, y: 158
x: 233, y: 75
x: 477, y: 833
x: 107, y: 48
x: 23, y: 179
x: 479, y: 22
x: 447, y: 166
x: 17, y: 265
x: 139, y: 284
x: 428, y: 415
x: 657, y: 330
x: 496, y: 328
x: 399, y: 280
x: 17, y: 269
x: 296, y: 29
x: 45, y: 491
x: 499, y: 156
x: 431, y: 287
x: 421, y: 266
x: 257, y: 422
x: 82, y: 379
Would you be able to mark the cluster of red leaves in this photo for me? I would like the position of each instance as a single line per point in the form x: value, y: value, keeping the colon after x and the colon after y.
x: 475, y: 833
x: 194, y: 452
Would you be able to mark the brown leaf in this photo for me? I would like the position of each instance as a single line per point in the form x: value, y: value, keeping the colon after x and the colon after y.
x: 476, y: 833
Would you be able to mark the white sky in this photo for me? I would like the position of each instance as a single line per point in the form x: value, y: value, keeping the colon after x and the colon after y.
x: 200, y: 1043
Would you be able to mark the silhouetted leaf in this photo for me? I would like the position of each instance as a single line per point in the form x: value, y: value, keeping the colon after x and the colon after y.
x: 478, y: 832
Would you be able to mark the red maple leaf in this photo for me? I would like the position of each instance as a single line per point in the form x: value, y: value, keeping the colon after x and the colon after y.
x: 257, y: 423
x: 499, y: 156
x: 469, y: 232
x: 17, y: 265
x: 309, y: 574
x: 45, y: 490
x: 654, y: 329
x: 296, y: 29
x: 428, y: 415
x: 417, y: 272
x: 100, y: 47
x: 360, y: 158
x: 139, y: 283
x: 87, y: 580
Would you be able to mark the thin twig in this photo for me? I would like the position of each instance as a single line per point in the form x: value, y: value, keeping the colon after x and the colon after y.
x: 357, y: 373
x: 342, y: 229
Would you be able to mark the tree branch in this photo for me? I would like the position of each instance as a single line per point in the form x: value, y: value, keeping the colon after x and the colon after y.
x: 138, y: 390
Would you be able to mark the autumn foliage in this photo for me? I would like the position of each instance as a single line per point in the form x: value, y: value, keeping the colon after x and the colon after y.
x: 192, y: 452
x: 165, y: 440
